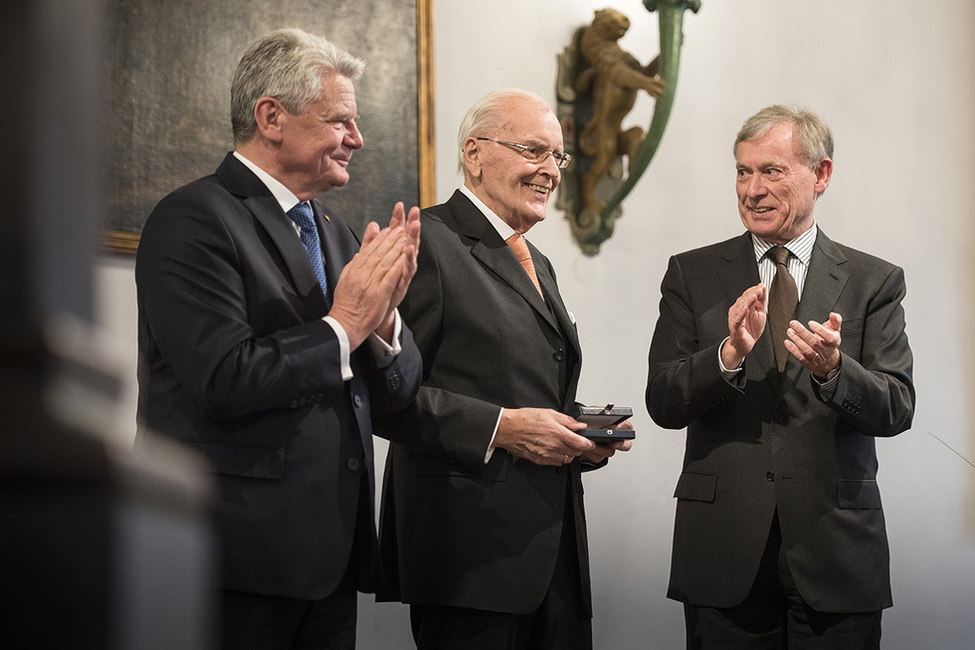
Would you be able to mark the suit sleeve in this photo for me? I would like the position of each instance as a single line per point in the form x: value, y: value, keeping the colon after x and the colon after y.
x: 443, y: 423
x: 685, y: 378
x: 232, y: 344
x: 875, y: 391
x: 393, y: 387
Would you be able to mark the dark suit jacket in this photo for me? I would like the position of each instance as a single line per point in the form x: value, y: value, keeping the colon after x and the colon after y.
x: 236, y: 362
x: 456, y: 531
x: 767, y: 443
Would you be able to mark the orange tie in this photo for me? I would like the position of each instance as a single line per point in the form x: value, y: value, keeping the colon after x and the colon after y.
x: 519, y: 247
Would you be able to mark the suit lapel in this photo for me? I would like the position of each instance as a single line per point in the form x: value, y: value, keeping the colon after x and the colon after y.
x: 824, y: 281
x: 279, y: 227
x: 491, y: 251
x: 266, y: 209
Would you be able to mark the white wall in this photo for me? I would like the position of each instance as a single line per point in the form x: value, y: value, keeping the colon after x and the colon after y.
x: 894, y: 79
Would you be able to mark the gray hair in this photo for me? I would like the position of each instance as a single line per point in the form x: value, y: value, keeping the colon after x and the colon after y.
x: 813, y: 135
x: 287, y: 64
x: 486, y: 114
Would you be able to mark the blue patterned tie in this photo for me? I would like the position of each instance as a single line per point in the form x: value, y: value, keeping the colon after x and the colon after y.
x: 302, y: 216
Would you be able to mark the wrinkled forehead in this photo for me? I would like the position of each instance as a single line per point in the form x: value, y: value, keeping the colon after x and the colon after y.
x: 777, y: 143
x: 526, y: 120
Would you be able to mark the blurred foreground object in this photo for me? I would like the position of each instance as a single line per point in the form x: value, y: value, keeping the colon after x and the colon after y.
x: 100, y: 548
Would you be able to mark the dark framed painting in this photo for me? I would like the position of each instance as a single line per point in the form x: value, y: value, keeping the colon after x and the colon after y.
x: 171, y: 64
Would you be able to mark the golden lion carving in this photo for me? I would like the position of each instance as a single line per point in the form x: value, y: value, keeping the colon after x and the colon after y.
x: 614, y: 77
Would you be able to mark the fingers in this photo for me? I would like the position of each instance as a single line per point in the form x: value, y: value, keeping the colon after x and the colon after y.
x: 755, y: 296
x: 622, y: 445
x: 382, y: 253
x: 372, y: 229
x: 403, y: 235
x: 818, y: 337
x: 835, y: 321
x: 608, y: 450
x: 393, y: 249
x: 411, y: 221
x: 375, y: 280
x: 569, y: 441
x: 746, y: 322
x: 413, y: 225
x: 816, y: 348
x: 541, y: 436
x: 752, y: 296
x: 396, y: 221
x: 361, y: 301
x: 411, y: 250
x: 752, y: 300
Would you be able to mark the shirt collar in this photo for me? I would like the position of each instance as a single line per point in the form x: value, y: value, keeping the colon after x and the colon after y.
x: 801, y: 247
x: 503, y: 229
x: 284, y: 196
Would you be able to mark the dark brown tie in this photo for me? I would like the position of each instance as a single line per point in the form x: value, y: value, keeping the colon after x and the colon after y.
x: 783, y: 297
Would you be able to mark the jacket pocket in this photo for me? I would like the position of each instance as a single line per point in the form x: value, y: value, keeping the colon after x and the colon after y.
x: 242, y: 460
x: 858, y: 494
x: 696, y: 487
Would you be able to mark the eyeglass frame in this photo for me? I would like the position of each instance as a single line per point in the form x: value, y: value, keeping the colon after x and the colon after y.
x: 562, y: 159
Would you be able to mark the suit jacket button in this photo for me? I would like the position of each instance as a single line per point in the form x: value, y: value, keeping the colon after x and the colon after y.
x: 357, y: 401
x: 353, y: 464
x: 559, y: 354
x: 770, y: 477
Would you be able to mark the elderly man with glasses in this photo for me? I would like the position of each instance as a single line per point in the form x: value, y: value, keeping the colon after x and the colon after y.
x: 483, y: 525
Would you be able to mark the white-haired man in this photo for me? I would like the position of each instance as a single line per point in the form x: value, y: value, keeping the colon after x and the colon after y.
x: 483, y: 523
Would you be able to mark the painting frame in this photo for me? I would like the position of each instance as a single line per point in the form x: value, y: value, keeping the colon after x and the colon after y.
x: 122, y: 241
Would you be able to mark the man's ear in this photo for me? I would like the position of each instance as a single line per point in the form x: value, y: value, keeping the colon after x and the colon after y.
x: 472, y: 157
x: 823, y: 173
x: 270, y: 117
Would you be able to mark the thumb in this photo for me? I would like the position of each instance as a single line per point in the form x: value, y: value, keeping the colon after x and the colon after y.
x: 835, y: 321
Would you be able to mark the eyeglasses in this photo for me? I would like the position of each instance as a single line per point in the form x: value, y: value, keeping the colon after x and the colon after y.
x: 535, y: 154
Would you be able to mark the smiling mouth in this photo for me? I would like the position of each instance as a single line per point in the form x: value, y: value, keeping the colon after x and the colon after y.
x: 538, y: 188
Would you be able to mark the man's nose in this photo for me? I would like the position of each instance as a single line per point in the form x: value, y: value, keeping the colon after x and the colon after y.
x: 353, y: 137
x: 755, y: 185
x: 550, y: 168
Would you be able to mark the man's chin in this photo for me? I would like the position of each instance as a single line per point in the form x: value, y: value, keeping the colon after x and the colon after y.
x: 335, y: 180
x: 533, y: 217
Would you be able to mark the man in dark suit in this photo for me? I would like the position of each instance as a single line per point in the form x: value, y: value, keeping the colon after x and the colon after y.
x: 269, y: 343
x: 483, y: 522
x: 780, y: 538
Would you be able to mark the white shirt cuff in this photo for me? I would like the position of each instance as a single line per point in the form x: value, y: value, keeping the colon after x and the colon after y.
x: 382, y: 351
x: 490, y: 450
x: 343, y: 347
x: 727, y: 374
